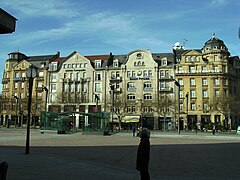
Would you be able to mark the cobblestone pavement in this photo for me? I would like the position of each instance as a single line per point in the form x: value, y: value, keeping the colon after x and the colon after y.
x: 75, y: 156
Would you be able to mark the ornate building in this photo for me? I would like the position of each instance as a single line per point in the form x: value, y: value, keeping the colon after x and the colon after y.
x: 137, y: 88
x: 209, y: 86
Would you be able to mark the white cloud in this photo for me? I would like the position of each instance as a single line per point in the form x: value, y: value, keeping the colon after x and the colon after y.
x: 41, y: 8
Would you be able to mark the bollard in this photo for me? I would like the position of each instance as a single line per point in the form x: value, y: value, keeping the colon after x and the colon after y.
x: 3, y: 170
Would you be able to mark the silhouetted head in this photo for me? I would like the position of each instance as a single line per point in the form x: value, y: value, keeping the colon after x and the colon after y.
x: 145, y: 133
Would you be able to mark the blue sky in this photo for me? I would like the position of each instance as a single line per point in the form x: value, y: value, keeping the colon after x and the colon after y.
x: 119, y: 26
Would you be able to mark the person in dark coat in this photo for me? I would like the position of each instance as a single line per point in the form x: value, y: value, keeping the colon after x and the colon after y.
x: 143, y: 154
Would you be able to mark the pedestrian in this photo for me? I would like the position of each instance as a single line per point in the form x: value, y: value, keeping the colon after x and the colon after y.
x: 213, y: 130
x: 143, y: 154
x: 133, y: 130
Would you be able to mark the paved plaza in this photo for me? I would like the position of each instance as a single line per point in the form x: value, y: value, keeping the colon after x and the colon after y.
x: 76, y: 156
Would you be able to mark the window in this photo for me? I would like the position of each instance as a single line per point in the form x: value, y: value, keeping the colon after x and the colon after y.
x: 216, y: 93
x: 224, y: 69
x: 22, y: 85
x: 39, y: 84
x: 131, y: 96
x: 191, y: 69
x: 97, y: 87
x: 65, y: 75
x: 131, y: 85
x: 162, y: 73
x: 205, y: 106
x: 41, y: 74
x: 204, y: 69
x: 186, y: 59
x: 193, y: 106
x: 16, y: 74
x: 128, y: 73
x: 164, y: 62
x: 115, y: 64
x: 15, y: 85
x: 192, y: 82
x: 97, y: 76
x: 65, y: 66
x: 215, y: 57
x: 133, y: 74
x: 65, y: 87
x: 53, y: 77
x: 180, y: 69
x: 78, y: 76
x: 149, y: 73
x: 204, y: 81
x: 53, y: 87
x: 192, y: 94
x: 71, y: 87
x: 180, y: 81
x: 191, y: 59
x: 97, y: 64
x: 205, y: 94
x: 54, y: 66
x: 216, y: 81
x: 215, y: 69
x: 71, y: 76
x: 147, y: 85
x: 147, y: 97
x: 84, y: 74
x: 181, y: 106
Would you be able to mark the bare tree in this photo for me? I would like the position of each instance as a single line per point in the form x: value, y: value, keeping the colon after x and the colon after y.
x: 164, y: 106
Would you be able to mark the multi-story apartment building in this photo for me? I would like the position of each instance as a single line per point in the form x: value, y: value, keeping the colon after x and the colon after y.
x: 15, y: 88
x: 137, y: 88
x: 136, y: 80
x: 209, y: 85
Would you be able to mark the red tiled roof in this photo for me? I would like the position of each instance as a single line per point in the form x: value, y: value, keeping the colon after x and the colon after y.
x: 96, y: 57
x: 58, y: 59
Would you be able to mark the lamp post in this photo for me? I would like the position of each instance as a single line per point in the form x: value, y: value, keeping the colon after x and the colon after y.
x: 16, y: 118
x: 31, y: 74
x: 112, y: 103
x: 46, y: 97
x: 178, y: 85
x: 141, y: 113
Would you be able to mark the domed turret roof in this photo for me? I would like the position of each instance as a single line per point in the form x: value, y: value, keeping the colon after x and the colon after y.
x: 214, y: 44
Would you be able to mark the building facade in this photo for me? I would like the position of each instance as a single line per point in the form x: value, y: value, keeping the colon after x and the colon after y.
x: 137, y: 88
x: 209, y: 86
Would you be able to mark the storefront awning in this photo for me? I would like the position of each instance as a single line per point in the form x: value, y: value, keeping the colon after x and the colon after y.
x: 130, y: 119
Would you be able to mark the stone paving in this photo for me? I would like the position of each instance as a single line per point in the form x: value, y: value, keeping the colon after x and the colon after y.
x: 77, y: 156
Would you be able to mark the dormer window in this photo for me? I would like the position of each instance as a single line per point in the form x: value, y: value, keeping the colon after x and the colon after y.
x: 98, y: 64
x: 164, y: 62
x: 115, y: 63
x: 54, y: 66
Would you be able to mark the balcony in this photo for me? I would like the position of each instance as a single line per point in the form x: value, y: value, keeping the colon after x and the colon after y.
x: 166, y: 89
x: 166, y: 77
x: 148, y: 89
x: 5, y: 80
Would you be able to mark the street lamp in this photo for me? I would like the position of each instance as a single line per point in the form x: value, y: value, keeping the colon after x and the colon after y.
x: 31, y: 74
x: 16, y: 118
x: 178, y: 85
x: 140, y: 110
x: 45, y: 115
x: 112, y: 103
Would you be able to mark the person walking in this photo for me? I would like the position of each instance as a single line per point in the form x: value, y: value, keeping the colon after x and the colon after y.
x: 143, y: 154
x: 133, y: 130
